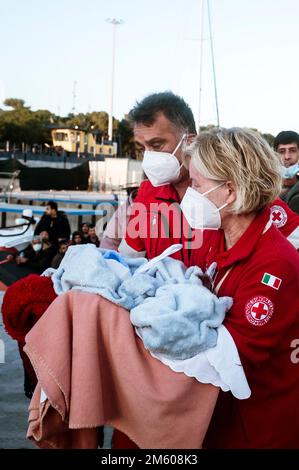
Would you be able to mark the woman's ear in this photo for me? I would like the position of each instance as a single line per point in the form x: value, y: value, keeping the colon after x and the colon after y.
x: 231, y: 190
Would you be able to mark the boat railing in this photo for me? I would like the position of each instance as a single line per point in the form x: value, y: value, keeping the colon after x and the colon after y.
x: 6, y: 208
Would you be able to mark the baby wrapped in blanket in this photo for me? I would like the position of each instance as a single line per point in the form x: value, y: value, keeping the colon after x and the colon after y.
x: 181, y: 320
x: 174, y: 314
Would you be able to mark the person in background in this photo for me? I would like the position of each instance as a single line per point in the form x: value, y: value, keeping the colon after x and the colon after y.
x: 85, y: 229
x: 92, y: 236
x: 286, y: 144
x: 44, y: 236
x: 77, y: 238
x: 63, y: 246
x: 38, y: 255
x: 55, y: 223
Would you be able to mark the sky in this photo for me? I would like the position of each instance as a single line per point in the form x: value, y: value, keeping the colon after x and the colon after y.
x: 46, y: 46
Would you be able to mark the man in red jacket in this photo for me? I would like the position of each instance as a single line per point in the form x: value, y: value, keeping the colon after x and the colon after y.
x: 163, y: 124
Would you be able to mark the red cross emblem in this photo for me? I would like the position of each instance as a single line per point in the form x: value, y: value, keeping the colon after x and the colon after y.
x: 259, y: 310
x: 278, y: 216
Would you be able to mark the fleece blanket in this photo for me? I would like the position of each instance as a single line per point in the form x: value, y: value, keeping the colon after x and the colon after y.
x: 174, y: 313
x: 181, y: 321
x: 24, y: 303
x: 94, y: 370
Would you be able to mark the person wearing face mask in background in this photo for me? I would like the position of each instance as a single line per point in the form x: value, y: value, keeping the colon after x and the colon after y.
x: 286, y: 144
x: 38, y: 255
x: 235, y: 178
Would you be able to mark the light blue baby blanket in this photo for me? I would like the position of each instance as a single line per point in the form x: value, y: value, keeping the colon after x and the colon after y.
x: 173, y: 312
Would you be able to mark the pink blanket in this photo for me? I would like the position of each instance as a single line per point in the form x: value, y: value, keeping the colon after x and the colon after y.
x: 95, y: 370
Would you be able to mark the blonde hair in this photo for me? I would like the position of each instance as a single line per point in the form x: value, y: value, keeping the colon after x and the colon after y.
x: 243, y: 157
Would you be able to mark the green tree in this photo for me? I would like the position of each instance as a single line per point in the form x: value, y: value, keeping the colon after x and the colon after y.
x: 207, y: 128
x: 125, y: 138
x: 14, y: 103
x: 23, y: 125
x: 269, y: 138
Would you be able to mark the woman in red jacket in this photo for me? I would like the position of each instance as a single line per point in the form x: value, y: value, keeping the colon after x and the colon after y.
x: 235, y: 178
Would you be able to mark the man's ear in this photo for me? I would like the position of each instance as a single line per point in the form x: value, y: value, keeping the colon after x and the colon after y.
x: 232, y: 193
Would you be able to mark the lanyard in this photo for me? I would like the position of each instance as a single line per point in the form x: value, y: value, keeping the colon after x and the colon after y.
x: 216, y: 287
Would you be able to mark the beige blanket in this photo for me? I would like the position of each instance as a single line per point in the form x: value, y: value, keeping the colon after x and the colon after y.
x: 94, y: 370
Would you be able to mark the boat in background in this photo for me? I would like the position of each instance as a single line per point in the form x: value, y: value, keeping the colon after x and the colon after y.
x: 75, y: 161
x: 20, y: 235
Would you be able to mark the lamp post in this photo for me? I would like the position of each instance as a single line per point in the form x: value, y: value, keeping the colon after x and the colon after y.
x: 114, y: 23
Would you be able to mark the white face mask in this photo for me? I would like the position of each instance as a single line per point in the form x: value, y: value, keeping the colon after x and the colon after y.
x: 37, y: 246
x: 199, y: 211
x: 290, y: 172
x: 162, y: 167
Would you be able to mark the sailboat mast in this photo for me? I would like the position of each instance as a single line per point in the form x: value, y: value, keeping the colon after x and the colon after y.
x: 201, y: 62
x: 213, y: 62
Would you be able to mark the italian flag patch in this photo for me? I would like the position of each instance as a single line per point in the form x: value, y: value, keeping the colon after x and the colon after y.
x: 271, y: 281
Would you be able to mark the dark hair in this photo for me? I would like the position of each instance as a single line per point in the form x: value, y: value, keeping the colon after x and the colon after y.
x: 63, y: 242
x: 52, y: 204
x: 132, y: 191
x: 172, y: 106
x: 286, y: 137
x: 77, y: 232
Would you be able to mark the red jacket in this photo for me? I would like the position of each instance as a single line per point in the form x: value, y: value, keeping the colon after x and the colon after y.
x: 157, y: 222
x: 262, y: 276
x: 286, y: 221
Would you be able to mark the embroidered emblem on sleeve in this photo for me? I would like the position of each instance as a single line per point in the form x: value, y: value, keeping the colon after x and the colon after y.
x: 271, y: 281
x: 278, y: 216
x: 259, y: 310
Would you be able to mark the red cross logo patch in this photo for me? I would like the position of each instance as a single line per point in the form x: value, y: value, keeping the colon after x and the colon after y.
x: 259, y: 310
x: 278, y: 216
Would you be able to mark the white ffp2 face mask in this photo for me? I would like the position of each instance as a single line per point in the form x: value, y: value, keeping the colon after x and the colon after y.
x: 162, y: 167
x: 199, y: 211
x: 290, y: 172
x: 37, y: 247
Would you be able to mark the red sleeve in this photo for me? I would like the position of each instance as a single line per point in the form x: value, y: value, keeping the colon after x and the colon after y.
x: 261, y: 314
x: 290, y: 220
